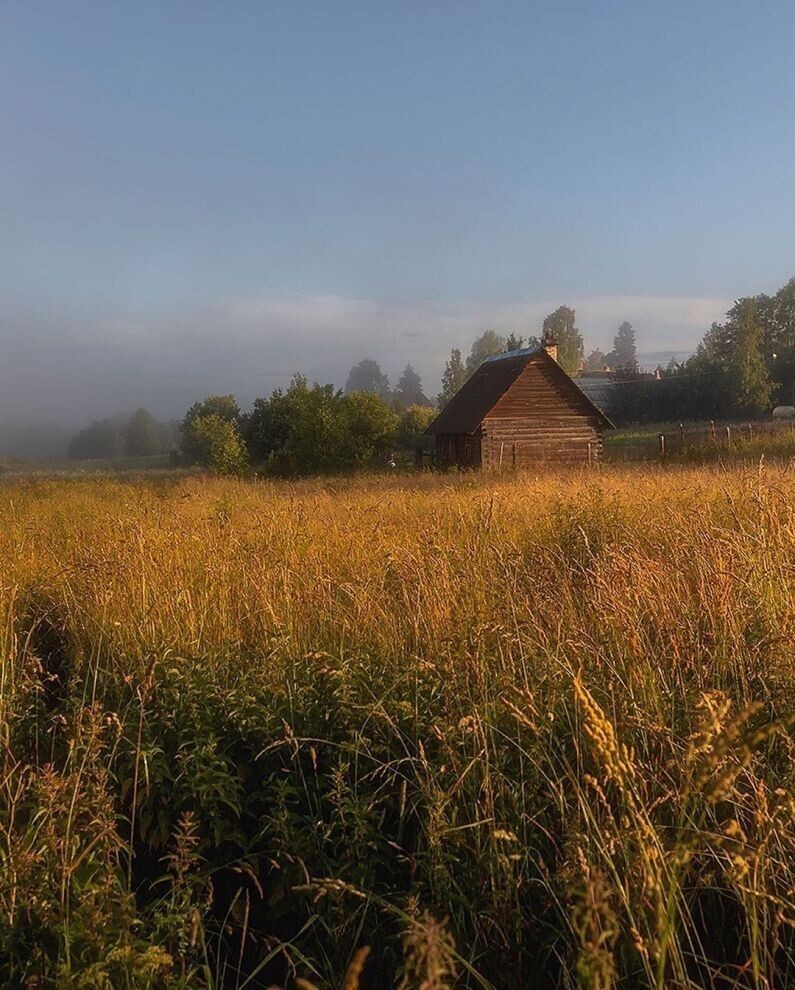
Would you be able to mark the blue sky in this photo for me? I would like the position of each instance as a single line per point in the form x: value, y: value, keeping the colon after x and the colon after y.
x: 213, y: 195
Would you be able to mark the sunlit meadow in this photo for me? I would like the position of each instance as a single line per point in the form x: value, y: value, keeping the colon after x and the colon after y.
x: 423, y: 732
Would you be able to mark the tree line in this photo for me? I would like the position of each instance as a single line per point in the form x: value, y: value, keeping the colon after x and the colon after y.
x: 303, y: 429
x: 742, y: 368
x: 315, y: 429
x: 311, y: 429
x: 562, y: 326
x: 366, y: 376
x: 139, y: 435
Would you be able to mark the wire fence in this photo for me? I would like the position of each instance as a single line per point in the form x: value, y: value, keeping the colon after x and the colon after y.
x: 680, y: 442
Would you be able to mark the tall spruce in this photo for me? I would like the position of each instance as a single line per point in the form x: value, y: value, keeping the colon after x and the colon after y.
x: 409, y: 389
x: 366, y: 376
x: 624, y: 356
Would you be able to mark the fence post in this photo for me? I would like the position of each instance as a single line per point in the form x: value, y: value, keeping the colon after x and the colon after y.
x: 661, y: 438
x: 589, y: 452
x: 728, y: 435
x: 712, y: 427
x: 682, y: 437
x: 750, y: 431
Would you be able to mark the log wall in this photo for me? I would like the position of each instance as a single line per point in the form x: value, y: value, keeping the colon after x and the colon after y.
x: 459, y: 448
x: 540, y: 419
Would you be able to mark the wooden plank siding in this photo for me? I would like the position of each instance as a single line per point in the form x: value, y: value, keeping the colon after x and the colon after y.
x: 519, y: 409
x: 517, y: 443
x: 540, y: 420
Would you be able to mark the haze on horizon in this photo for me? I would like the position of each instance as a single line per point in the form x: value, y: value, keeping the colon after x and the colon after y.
x: 202, y: 198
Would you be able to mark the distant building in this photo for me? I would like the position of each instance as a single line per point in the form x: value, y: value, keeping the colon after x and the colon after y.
x: 520, y: 409
x: 598, y: 386
x: 609, y: 389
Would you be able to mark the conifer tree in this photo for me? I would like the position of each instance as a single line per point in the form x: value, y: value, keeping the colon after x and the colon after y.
x: 409, y: 389
x: 453, y: 378
x: 624, y: 356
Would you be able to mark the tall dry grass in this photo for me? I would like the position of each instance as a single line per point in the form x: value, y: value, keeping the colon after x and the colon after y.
x: 503, y: 732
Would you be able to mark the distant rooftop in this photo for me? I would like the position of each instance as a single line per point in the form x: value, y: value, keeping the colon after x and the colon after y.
x: 597, y: 388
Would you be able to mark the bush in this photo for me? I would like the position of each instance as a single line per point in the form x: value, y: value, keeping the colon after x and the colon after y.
x: 411, y: 428
x: 102, y: 439
x: 224, y: 407
x: 369, y: 428
x: 217, y: 444
x: 318, y: 429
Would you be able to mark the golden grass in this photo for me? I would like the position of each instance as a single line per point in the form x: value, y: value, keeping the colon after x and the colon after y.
x: 501, y: 730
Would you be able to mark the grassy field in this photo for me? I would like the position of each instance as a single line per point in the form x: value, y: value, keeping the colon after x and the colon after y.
x: 425, y: 732
x: 704, y: 442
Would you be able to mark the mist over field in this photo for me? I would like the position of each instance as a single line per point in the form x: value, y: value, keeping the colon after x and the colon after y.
x: 63, y: 366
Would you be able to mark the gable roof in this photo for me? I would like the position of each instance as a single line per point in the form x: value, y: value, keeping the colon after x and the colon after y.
x: 477, y: 397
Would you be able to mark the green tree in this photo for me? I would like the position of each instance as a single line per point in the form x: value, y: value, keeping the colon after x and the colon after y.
x: 366, y: 376
x: 776, y: 316
x: 485, y: 346
x: 369, y: 427
x: 411, y: 428
x: 453, y: 378
x: 595, y: 361
x: 219, y: 444
x: 266, y: 428
x: 319, y: 429
x: 699, y: 389
x: 100, y: 440
x: 741, y: 367
x: 624, y: 356
x: 225, y: 407
x: 513, y: 342
x: 409, y: 389
x: 141, y: 435
x: 168, y: 432
x: 750, y: 386
x: 311, y: 418
x: 571, y: 349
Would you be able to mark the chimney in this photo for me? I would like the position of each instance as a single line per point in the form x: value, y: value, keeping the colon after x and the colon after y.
x: 549, y: 342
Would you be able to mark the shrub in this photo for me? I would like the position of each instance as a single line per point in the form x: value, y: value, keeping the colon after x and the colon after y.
x: 411, y: 428
x: 224, y: 407
x: 217, y: 444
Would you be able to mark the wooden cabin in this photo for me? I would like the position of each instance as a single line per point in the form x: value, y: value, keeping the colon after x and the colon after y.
x: 519, y: 409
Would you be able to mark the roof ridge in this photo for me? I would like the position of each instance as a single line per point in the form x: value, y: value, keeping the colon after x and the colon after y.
x: 519, y: 352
